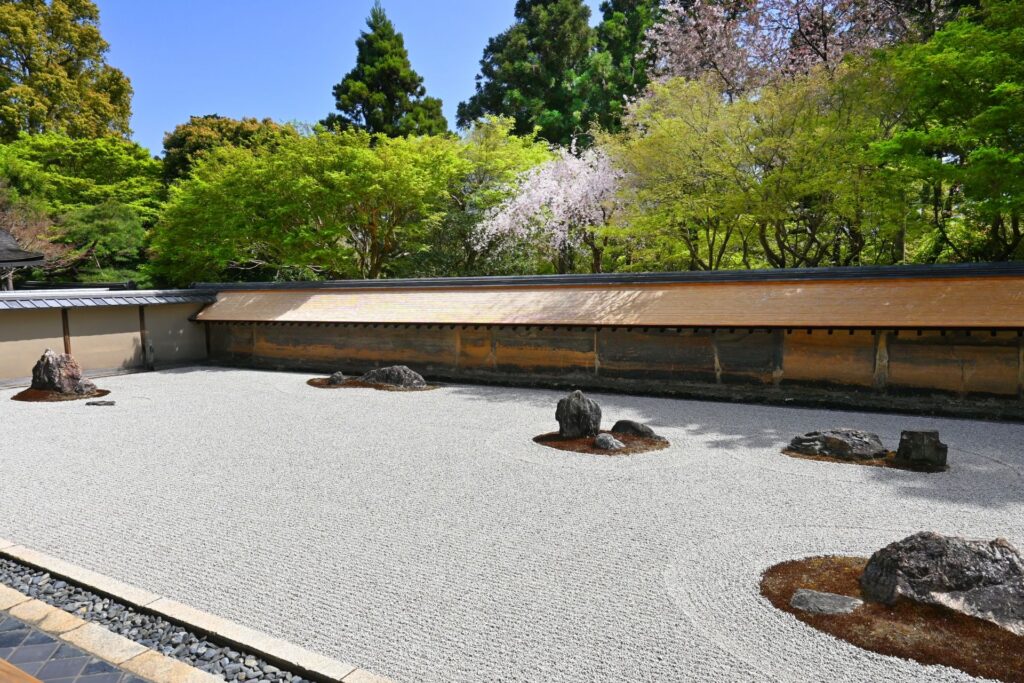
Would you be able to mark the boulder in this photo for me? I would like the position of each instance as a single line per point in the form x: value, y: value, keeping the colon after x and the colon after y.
x: 336, y: 379
x: 634, y: 428
x: 607, y: 442
x: 395, y: 376
x: 816, y: 602
x: 578, y: 416
x: 847, y: 444
x: 922, y: 449
x: 61, y: 373
x: 984, y: 579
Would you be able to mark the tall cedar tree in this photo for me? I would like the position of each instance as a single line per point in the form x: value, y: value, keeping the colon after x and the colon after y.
x: 617, y: 70
x: 382, y: 94
x: 53, y: 72
x: 531, y: 71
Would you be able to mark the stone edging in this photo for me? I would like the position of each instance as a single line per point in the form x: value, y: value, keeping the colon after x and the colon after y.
x: 141, y: 660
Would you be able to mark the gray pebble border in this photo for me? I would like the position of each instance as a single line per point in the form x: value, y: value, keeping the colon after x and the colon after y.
x: 154, y: 632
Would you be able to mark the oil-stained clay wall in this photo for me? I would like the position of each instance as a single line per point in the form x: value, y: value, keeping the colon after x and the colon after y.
x: 106, y: 339
x: 956, y: 363
x: 24, y: 335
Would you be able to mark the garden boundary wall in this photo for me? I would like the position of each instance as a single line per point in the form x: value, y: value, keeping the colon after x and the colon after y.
x: 107, y: 332
x: 932, y: 339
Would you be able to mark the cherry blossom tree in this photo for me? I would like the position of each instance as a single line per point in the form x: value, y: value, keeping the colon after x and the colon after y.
x: 745, y: 44
x: 563, y: 203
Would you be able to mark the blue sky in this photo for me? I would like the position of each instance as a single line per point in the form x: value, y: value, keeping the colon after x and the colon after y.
x: 280, y: 59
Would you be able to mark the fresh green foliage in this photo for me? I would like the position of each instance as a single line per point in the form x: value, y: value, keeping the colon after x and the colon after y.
x: 383, y: 94
x: 962, y: 137
x: 109, y: 236
x: 188, y: 141
x: 532, y: 71
x: 53, y: 72
x: 324, y: 205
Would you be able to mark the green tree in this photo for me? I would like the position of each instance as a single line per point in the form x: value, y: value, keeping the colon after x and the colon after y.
x: 383, y: 94
x: 324, y: 205
x: 531, y: 72
x: 616, y: 72
x: 961, y: 136
x: 53, y: 72
x: 188, y: 141
x: 493, y: 158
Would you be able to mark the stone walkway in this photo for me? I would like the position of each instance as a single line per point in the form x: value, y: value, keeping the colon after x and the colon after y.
x: 41, y: 655
x: 426, y: 537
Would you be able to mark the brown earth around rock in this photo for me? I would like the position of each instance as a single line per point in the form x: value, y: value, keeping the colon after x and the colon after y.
x: 585, y: 444
x: 325, y: 383
x: 45, y: 396
x: 928, y: 634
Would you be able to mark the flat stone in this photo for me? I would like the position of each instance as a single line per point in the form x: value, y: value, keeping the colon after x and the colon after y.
x: 100, y: 403
x: 103, y: 643
x: 10, y: 597
x: 59, y: 622
x: 364, y: 676
x: 846, y: 444
x: 818, y: 602
x: 607, y: 442
x: 156, y: 667
x: 394, y: 376
x: 635, y: 429
x: 34, y: 611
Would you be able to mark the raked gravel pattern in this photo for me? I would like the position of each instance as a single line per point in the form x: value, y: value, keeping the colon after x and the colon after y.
x: 425, y: 536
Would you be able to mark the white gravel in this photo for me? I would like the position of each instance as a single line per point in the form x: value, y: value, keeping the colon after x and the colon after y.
x: 424, y: 536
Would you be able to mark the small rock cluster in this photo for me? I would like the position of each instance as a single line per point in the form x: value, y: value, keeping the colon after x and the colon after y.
x: 921, y: 449
x: 579, y: 416
x: 60, y: 373
x: 154, y: 632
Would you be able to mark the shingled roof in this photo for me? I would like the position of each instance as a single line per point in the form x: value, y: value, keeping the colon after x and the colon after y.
x: 13, y: 256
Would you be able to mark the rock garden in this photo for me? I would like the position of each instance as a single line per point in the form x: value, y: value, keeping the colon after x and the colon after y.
x: 58, y: 377
x: 579, y: 430
x: 391, y: 378
x: 931, y: 598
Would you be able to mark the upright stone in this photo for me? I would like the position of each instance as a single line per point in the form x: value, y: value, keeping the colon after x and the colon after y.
x: 578, y: 416
x: 922, y: 449
x: 61, y: 373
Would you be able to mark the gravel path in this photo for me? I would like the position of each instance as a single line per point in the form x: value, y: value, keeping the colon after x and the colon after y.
x: 424, y: 536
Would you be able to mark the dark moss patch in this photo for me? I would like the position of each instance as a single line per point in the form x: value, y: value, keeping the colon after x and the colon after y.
x: 43, y: 396
x: 325, y: 383
x: 888, y: 461
x: 927, y: 634
x: 585, y: 444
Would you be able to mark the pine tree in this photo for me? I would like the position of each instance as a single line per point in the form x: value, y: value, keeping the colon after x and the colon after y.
x: 531, y: 71
x: 383, y: 94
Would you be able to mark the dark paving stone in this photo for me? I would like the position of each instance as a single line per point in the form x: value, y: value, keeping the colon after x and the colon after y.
x: 38, y: 638
x: 98, y: 666
x: 134, y: 679
x: 67, y: 651
x: 100, y: 678
x: 5, y: 652
x: 13, y: 638
x: 11, y: 624
x: 32, y: 653
x: 31, y: 668
x: 61, y: 668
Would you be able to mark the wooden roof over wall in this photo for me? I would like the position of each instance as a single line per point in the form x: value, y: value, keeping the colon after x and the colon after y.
x: 943, y: 299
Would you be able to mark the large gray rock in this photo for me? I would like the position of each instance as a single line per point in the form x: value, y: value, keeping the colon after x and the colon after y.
x: 61, y: 373
x: 395, y: 376
x: 984, y: 579
x: 817, y: 602
x: 607, y: 442
x: 578, y: 416
x: 634, y: 428
x: 922, y: 449
x: 847, y: 444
